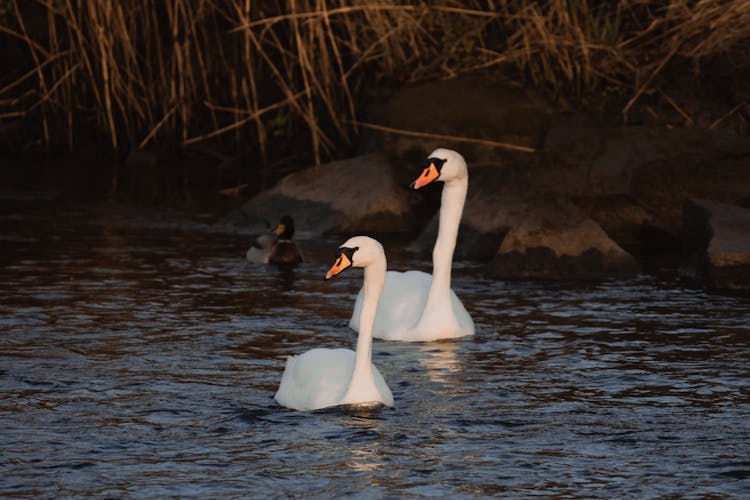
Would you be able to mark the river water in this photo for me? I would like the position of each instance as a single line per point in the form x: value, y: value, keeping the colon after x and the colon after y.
x: 140, y: 352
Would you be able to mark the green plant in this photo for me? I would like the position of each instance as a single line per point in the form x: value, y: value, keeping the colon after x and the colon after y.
x: 278, y: 124
x: 6, y: 7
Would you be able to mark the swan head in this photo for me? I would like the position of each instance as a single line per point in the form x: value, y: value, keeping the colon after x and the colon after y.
x: 285, y: 229
x: 442, y: 165
x: 359, y: 251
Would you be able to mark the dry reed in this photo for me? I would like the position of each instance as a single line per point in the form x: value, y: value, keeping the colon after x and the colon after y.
x: 239, y: 73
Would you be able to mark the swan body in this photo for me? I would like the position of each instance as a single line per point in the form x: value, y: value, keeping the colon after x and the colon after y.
x: 313, y: 380
x: 404, y: 297
x: 417, y: 306
x: 321, y: 378
x: 276, y: 247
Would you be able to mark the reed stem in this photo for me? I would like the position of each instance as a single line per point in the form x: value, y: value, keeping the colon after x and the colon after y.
x: 179, y: 72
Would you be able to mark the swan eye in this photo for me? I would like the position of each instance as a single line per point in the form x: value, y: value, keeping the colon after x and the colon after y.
x: 437, y: 163
x: 344, y: 260
x: 430, y: 173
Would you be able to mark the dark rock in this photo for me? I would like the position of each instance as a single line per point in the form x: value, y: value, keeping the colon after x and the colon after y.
x: 354, y: 195
x: 632, y: 181
x: 491, y: 209
x: 631, y: 224
x: 716, y: 244
x: 656, y: 169
x: 549, y: 245
x: 614, y: 186
x: 475, y: 107
x: 542, y: 263
x: 471, y: 243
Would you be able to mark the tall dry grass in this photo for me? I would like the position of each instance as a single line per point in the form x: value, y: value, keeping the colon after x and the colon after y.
x: 238, y: 73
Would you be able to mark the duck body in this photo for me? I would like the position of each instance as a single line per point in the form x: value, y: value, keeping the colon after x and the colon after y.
x: 321, y: 378
x: 284, y: 252
x: 416, y: 306
x: 276, y: 247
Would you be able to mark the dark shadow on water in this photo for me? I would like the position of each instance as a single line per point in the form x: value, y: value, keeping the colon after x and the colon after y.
x: 287, y: 276
x: 254, y: 415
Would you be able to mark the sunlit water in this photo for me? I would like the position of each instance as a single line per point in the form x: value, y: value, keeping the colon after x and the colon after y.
x: 139, y: 356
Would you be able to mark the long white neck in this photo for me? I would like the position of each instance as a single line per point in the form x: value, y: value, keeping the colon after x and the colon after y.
x: 451, y: 208
x: 362, y: 384
x: 438, y: 316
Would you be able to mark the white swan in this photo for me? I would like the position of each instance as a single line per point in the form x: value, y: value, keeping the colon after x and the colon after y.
x: 321, y: 378
x: 416, y: 306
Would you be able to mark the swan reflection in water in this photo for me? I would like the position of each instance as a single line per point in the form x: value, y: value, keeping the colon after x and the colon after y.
x: 364, y: 459
x: 440, y: 360
x: 367, y: 425
x: 287, y: 277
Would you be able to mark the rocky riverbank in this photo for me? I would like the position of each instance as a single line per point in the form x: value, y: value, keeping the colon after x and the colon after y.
x: 589, y: 200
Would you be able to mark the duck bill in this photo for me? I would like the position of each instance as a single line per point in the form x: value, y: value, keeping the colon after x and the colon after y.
x: 429, y: 174
x: 342, y: 263
x: 280, y: 229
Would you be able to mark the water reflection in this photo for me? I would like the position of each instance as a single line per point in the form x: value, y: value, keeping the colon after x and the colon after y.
x: 139, y: 355
x: 286, y: 274
x: 366, y: 453
x: 440, y: 359
x: 365, y: 460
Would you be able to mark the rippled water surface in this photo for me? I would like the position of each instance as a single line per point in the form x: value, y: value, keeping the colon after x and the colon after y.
x: 139, y: 356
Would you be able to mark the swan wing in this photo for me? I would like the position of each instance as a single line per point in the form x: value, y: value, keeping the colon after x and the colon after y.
x: 319, y: 378
x: 401, y: 304
x: 315, y: 379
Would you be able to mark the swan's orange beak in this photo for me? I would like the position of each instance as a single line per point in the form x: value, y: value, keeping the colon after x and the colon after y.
x: 280, y: 229
x: 342, y: 262
x: 429, y: 174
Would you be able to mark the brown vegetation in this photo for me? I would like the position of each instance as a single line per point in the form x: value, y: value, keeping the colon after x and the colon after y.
x: 234, y: 73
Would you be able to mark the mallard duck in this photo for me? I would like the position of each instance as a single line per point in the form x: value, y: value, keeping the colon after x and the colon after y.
x: 276, y: 247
